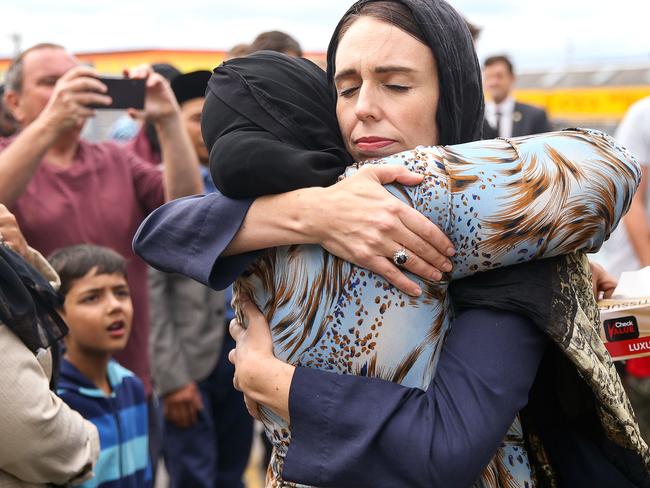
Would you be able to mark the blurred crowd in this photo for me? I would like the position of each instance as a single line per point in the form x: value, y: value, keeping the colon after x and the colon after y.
x: 145, y: 356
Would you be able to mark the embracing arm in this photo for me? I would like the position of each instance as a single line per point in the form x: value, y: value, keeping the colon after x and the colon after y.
x: 344, y: 427
x: 508, y: 202
x: 201, y: 236
x: 357, y: 431
x: 340, y: 220
x: 188, y: 235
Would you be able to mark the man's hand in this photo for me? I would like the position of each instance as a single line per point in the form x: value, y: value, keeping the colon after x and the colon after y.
x: 160, y: 102
x: 182, y: 406
x: 602, y: 282
x: 361, y: 222
x: 10, y: 233
x: 73, y: 94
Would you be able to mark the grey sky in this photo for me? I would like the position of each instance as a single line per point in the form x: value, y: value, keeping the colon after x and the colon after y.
x: 537, y: 34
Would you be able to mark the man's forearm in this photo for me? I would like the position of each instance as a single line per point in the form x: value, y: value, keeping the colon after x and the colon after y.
x: 180, y: 163
x: 20, y: 160
x: 287, y: 226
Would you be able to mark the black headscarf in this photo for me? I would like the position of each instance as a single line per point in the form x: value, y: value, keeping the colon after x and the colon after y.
x: 269, y: 122
x: 28, y: 306
x: 460, y: 106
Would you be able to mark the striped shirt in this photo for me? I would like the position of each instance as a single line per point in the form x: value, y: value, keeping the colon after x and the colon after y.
x: 121, y: 419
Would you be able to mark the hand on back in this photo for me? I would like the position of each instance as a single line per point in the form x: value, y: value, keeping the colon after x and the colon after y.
x: 365, y: 224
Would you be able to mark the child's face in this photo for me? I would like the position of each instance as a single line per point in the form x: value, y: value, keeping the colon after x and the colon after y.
x: 99, y: 312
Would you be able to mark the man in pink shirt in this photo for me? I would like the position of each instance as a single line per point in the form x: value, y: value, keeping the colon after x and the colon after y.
x: 64, y: 190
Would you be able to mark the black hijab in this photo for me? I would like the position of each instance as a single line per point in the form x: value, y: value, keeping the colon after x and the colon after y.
x: 445, y: 32
x: 28, y: 306
x: 269, y: 122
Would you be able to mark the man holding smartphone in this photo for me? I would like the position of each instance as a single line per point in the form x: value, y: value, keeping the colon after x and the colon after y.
x: 64, y: 190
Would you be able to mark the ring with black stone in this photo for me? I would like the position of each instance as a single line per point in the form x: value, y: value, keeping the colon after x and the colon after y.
x: 400, y: 257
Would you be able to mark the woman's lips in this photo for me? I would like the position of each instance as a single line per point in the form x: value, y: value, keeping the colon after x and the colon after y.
x: 369, y: 144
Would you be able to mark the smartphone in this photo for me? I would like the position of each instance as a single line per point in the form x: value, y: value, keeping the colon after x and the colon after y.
x: 125, y: 93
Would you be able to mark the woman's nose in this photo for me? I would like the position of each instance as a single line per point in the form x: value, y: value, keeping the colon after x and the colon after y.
x: 367, y: 105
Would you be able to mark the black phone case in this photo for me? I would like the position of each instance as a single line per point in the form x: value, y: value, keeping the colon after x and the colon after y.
x: 126, y: 93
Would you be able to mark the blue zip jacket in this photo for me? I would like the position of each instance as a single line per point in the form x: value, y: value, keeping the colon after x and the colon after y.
x: 121, y: 419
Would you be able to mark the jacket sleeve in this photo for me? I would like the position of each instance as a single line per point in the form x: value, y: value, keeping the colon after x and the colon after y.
x: 352, y: 431
x: 43, y: 440
x: 188, y: 235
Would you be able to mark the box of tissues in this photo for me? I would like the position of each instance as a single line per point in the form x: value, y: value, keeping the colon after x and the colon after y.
x: 625, y: 317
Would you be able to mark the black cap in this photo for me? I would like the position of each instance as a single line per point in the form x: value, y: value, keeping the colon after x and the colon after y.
x: 190, y: 85
x: 167, y: 70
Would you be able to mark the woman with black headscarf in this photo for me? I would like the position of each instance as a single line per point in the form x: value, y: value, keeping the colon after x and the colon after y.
x: 404, y: 467
x: 272, y: 116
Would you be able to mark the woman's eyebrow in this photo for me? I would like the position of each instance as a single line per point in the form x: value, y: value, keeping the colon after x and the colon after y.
x: 350, y: 72
x: 394, y: 69
x: 346, y: 73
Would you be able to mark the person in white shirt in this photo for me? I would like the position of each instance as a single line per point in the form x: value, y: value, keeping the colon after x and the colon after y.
x: 628, y: 248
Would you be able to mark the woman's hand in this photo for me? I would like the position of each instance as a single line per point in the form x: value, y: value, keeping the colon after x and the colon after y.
x: 356, y: 219
x: 602, y: 282
x: 259, y: 374
x: 360, y: 221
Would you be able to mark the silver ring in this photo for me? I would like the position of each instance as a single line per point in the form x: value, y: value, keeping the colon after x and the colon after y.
x: 400, y: 257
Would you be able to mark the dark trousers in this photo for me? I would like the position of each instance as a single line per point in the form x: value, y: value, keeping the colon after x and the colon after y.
x: 155, y: 419
x: 214, y: 452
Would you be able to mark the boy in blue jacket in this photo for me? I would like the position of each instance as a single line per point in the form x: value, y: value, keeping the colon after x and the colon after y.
x: 99, y: 314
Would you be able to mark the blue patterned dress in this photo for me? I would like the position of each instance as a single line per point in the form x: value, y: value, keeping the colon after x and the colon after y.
x: 501, y: 202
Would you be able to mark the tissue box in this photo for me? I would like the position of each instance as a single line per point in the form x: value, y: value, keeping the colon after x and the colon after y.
x: 625, y: 327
